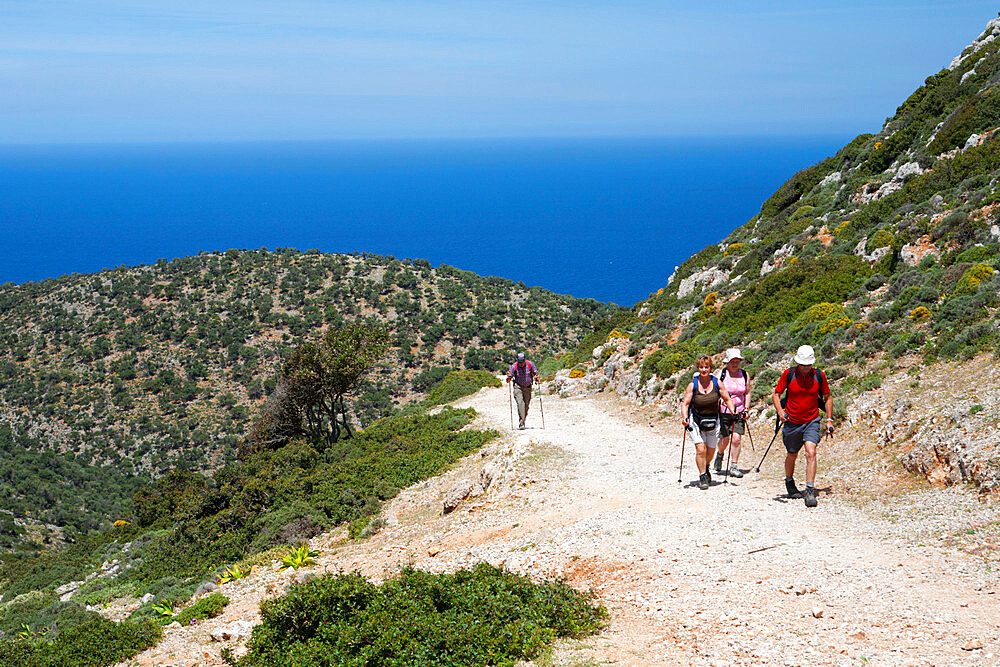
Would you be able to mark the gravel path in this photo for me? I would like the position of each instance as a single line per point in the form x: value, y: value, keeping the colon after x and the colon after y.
x: 734, y: 575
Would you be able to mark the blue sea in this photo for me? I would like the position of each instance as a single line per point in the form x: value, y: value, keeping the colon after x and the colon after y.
x: 601, y: 218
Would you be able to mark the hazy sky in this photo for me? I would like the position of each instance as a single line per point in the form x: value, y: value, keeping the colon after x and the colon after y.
x: 152, y: 70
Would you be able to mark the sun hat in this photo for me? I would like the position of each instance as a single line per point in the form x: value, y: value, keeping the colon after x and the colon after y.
x: 805, y: 355
x: 520, y: 356
x: 732, y: 353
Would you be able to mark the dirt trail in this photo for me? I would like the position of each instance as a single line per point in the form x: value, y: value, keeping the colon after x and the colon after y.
x: 594, y: 498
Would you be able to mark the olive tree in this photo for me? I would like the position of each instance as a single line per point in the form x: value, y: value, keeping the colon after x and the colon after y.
x: 309, y: 397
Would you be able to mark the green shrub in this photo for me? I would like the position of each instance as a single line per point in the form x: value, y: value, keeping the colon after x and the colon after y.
x: 461, y: 383
x: 97, y: 643
x: 549, y: 366
x: 970, y: 280
x: 209, y: 606
x: 880, y: 239
x: 472, y: 617
x: 425, y: 380
x: 668, y: 360
x: 783, y: 295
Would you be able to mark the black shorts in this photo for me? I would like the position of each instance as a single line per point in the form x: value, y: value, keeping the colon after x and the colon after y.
x: 731, y: 424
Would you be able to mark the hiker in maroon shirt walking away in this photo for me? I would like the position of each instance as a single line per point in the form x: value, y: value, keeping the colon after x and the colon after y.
x: 807, y: 390
x: 523, y: 373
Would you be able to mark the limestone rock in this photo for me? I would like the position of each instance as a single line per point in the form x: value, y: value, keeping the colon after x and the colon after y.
x: 456, y: 494
x: 709, y: 277
x: 204, y: 588
x: 231, y: 631
x: 832, y: 178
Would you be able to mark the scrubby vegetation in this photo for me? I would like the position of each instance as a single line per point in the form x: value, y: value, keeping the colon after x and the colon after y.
x: 483, y: 616
x: 111, y: 379
x: 887, y: 249
x: 187, y: 527
x: 97, y: 643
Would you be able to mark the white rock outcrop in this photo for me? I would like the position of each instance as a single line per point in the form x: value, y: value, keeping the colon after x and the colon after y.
x: 709, y: 277
x: 231, y: 631
x: 875, y: 255
x: 832, y: 178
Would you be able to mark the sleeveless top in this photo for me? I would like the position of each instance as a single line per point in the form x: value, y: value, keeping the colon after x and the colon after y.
x: 737, y: 388
x: 705, y: 404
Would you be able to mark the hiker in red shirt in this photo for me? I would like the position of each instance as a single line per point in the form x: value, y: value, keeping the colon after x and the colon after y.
x: 807, y: 389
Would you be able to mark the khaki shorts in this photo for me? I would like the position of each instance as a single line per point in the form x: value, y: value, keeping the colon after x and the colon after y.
x: 731, y: 424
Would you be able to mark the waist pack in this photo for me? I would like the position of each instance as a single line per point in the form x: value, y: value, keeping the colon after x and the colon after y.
x: 707, y: 423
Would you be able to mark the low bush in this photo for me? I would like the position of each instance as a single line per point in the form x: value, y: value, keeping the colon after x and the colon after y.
x: 209, y: 606
x: 461, y: 383
x: 97, y: 643
x: 472, y: 617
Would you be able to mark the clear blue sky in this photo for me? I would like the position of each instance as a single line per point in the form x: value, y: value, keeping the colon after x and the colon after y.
x: 152, y: 70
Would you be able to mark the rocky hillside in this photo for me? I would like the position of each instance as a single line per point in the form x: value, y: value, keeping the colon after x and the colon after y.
x: 883, y: 256
x: 111, y: 378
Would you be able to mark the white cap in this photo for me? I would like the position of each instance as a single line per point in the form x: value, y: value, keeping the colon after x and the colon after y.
x: 732, y: 353
x: 805, y: 355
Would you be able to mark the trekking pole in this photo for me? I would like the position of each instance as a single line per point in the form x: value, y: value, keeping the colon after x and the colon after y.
x: 510, y: 399
x: 729, y: 458
x: 777, y: 429
x: 749, y: 434
x: 683, y: 442
x: 540, y: 406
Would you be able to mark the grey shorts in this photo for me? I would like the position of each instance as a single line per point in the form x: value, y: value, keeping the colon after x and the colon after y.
x: 795, y: 435
x: 732, y: 424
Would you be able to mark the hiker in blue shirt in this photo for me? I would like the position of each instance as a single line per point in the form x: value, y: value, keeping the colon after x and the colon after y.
x: 523, y: 373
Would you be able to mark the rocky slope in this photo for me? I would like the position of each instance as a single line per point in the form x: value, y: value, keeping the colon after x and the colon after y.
x: 884, y: 257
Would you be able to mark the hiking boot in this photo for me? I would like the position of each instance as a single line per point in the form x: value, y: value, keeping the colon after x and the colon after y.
x: 703, y: 481
x: 718, y: 463
x: 735, y: 472
x: 793, y: 491
x: 708, y: 475
x: 810, y: 496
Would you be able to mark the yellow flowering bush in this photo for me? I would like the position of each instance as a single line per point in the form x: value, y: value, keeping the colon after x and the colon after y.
x: 576, y: 373
x: 878, y: 144
x: 616, y: 334
x: 881, y: 239
x: 734, y: 249
x: 659, y: 291
x: 122, y: 522
x: 710, y: 299
x: 920, y: 314
x: 842, y: 229
x: 969, y: 282
x: 831, y: 317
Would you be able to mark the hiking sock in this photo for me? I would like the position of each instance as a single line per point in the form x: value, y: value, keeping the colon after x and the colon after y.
x: 793, y: 491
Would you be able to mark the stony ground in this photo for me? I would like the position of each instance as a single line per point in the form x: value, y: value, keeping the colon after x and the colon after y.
x: 734, y: 575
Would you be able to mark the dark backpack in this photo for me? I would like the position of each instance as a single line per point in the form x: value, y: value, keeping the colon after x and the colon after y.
x: 722, y: 378
x: 817, y: 377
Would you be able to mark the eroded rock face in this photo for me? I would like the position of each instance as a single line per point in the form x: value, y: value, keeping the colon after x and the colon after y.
x: 947, y: 442
x: 914, y: 253
x: 709, y: 277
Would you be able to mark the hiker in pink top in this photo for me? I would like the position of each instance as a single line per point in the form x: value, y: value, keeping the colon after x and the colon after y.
x: 737, y: 383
